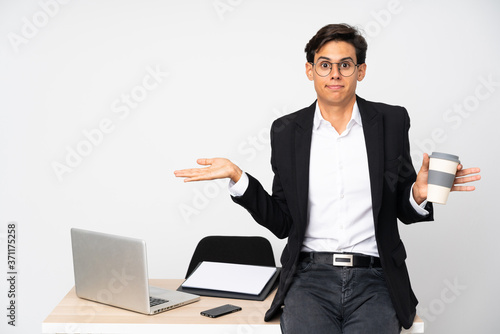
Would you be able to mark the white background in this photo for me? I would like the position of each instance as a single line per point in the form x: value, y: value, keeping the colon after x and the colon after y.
x: 233, y: 67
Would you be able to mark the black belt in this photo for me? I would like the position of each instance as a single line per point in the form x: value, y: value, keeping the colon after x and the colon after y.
x: 341, y: 259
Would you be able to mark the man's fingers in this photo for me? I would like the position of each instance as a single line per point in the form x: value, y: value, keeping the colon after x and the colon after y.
x: 468, y: 171
x: 183, y: 173
x: 467, y: 179
x: 463, y: 188
x: 204, y: 161
x: 189, y: 175
x: 190, y: 172
x: 195, y: 178
x: 217, y: 168
x: 461, y: 178
x: 425, y: 163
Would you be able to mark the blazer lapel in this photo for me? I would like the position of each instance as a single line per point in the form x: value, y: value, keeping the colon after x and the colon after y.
x: 302, y: 143
x: 373, y: 129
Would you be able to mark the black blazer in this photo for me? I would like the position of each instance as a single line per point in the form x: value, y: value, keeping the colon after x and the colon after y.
x: 391, y: 175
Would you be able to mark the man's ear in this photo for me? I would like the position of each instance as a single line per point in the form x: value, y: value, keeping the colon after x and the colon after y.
x: 309, y: 71
x: 361, y: 71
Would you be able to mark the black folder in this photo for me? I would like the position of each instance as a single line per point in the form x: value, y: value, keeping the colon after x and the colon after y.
x: 270, y: 286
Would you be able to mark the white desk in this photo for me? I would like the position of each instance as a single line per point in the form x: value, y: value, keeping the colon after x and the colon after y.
x: 76, y: 315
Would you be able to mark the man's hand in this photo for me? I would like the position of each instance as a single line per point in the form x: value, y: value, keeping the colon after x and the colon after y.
x: 218, y: 168
x: 420, y: 186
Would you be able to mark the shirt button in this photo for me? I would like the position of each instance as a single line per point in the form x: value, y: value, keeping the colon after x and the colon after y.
x: 341, y: 195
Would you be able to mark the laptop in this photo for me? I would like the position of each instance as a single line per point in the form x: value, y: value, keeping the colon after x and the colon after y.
x: 113, y: 270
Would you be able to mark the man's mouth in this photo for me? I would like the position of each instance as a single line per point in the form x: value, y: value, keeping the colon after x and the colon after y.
x: 334, y: 87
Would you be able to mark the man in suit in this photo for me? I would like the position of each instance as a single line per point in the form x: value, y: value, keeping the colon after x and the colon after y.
x: 342, y: 177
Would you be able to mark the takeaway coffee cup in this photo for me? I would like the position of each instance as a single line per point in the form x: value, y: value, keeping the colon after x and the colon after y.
x: 442, y: 170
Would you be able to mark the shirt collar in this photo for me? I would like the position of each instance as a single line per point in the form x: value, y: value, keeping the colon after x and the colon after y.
x: 355, y: 117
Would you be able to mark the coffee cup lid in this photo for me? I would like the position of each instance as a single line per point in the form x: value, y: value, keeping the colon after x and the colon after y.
x: 445, y: 156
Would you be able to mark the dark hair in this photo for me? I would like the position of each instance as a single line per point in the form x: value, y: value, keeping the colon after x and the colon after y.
x: 337, y: 32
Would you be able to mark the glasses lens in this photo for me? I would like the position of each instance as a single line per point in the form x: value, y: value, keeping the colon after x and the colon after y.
x: 323, y: 68
x: 347, y: 68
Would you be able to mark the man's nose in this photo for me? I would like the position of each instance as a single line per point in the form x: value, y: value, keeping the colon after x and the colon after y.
x: 335, y: 74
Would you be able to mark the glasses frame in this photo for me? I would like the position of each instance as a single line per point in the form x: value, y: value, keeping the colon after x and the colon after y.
x: 338, y: 66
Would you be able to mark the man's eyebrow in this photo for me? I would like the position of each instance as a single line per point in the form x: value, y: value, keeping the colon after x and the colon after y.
x: 347, y: 58
x: 343, y: 59
x: 322, y: 57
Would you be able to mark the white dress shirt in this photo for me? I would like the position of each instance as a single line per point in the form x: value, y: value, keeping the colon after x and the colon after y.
x: 340, y: 215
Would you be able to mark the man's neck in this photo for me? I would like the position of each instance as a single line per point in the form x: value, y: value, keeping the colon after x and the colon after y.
x: 337, y: 114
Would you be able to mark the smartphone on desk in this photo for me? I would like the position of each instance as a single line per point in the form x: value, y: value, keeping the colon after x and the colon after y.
x: 221, y: 310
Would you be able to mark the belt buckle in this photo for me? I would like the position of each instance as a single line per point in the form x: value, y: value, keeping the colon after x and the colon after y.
x: 343, y: 260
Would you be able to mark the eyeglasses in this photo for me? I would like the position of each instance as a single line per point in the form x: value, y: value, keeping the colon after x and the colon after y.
x: 324, y: 68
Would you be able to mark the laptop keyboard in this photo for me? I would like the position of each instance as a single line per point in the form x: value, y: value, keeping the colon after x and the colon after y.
x: 156, y: 301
